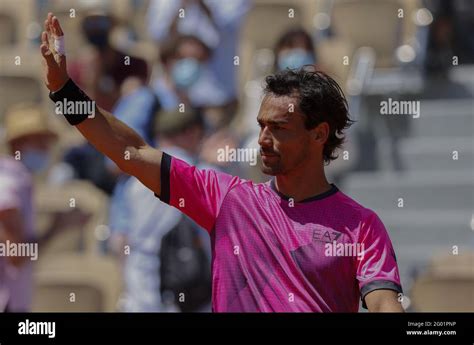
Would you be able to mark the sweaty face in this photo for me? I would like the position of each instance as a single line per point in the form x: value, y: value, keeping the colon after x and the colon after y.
x: 284, y: 141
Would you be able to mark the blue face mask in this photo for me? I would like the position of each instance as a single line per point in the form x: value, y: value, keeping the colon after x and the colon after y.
x: 186, y: 72
x: 295, y: 58
x: 35, y: 160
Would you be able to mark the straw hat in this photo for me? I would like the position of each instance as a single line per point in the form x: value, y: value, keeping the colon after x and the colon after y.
x: 27, y: 119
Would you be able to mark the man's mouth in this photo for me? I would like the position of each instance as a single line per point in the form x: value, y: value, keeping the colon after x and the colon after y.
x: 268, y: 157
x: 267, y: 154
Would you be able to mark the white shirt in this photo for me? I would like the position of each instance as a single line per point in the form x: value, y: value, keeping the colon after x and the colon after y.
x: 16, y: 192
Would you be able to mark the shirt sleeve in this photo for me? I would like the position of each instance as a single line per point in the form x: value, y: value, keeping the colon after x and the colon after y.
x: 198, y: 193
x: 160, y: 16
x: 378, y: 267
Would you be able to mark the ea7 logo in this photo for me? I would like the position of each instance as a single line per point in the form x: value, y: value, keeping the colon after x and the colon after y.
x: 37, y: 328
x: 324, y: 235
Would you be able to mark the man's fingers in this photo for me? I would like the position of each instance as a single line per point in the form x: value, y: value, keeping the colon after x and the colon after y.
x: 45, y: 39
x: 50, y: 29
x: 57, y: 30
x: 45, y: 50
x: 46, y: 26
x: 50, y: 17
x: 47, y: 23
x: 48, y: 55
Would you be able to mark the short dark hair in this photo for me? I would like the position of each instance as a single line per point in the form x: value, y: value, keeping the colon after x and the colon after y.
x: 320, y: 99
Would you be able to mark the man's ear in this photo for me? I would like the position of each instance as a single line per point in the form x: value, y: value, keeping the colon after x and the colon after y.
x: 321, y: 133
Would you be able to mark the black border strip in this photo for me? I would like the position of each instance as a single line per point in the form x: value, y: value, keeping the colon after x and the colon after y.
x: 239, y: 329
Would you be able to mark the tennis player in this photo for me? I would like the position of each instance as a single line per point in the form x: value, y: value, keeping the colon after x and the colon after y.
x: 293, y: 244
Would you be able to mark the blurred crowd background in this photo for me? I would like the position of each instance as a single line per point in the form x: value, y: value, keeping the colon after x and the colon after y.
x: 187, y: 76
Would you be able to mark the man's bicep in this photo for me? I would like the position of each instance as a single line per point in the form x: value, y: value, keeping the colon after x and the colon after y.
x: 383, y: 300
x: 145, y: 165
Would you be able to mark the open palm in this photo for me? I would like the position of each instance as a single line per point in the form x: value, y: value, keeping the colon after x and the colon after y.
x: 55, y: 63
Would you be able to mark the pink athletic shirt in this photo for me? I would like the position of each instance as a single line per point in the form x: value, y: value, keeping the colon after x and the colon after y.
x: 271, y: 254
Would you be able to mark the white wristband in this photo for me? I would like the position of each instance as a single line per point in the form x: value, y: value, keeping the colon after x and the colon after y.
x: 59, y: 45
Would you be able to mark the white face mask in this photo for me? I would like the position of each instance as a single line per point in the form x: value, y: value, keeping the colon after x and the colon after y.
x: 35, y: 160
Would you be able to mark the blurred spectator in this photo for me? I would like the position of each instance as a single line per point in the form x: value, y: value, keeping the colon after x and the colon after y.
x: 100, y: 71
x: 463, y: 28
x: 449, y: 35
x: 187, y: 79
x: 294, y: 49
x: 29, y: 140
x: 146, y: 221
x: 440, y: 48
x: 216, y: 23
x: 88, y: 164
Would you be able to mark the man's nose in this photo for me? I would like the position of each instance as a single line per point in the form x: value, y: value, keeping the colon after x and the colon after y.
x: 264, y: 138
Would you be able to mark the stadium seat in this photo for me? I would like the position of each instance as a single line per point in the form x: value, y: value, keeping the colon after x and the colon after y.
x: 94, y: 280
x: 424, y: 154
x: 7, y: 27
x: 331, y: 54
x: 88, y: 199
x: 436, y: 114
x: 398, y: 47
x: 447, y: 286
x: 15, y: 23
x: 431, y: 227
x: 21, y: 70
x: 356, y: 21
x: 443, y: 190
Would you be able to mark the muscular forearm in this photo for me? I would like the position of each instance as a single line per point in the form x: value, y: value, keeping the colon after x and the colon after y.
x: 113, y: 138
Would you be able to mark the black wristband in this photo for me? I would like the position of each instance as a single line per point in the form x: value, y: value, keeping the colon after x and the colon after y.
x: 73, y: 103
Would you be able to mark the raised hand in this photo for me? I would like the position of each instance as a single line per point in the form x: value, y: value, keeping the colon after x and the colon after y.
x: 52, y: 49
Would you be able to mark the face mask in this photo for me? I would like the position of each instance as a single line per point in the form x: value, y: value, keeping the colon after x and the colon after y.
x: 295, y: 58
x: 35, y: 160
x: 185, y: 72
